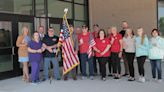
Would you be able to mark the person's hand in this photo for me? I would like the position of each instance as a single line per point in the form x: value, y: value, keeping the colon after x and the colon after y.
x: 102, y: 53
x: 154, y: 44
x: 98, y: 51
x: 45, y: 46
x: 120, y: 55
x: 76, y: 52
x: 39, y: 51
x: 23, y: 41
x: 81, y: 41
x: 50, y: 50
x: 124, y: 45
x: 112, y: 40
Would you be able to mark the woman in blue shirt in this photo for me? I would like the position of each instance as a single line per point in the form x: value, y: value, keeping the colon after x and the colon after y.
x: 142, y: 49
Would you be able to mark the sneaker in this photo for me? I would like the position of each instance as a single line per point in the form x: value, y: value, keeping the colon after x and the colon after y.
x: 110, y: 75
x: 44, y: 80
x: 131, y: 79
x: 38, y: 81
x: 140, y: 79
x: 159, y: 80
x: 116, y: 77
x: 104, y: 79
x: 119, y: 76
x: 91, y: 77
x: 125, y: 74
x: 65, y: 78
x: 154, y: 80
x: 34, y: 83
x: 83, y: 77
x: 143, y: 80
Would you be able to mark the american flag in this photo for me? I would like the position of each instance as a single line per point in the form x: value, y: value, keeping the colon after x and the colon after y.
x: 70, y: 59
x: 91, y: 44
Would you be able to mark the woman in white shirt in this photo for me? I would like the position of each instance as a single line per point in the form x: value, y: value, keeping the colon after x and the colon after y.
x: 129, y: 46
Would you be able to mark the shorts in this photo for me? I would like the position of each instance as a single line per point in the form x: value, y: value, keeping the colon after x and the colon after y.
x: 23, y: 59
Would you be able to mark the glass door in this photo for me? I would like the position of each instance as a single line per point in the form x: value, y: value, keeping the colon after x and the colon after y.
x: 10, y: 29
x: 6, y: 48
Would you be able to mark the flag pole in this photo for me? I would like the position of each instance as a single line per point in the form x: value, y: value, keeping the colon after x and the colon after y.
x: 59, y: 43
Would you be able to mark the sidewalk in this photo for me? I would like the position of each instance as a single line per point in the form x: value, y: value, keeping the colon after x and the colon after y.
x: 96, y: 85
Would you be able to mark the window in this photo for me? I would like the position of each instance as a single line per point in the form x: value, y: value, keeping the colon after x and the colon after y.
x: 40, y: 8
x: 5, y: 34
x: 79, y: 12
x: 56, y: 9
x: 161, y: 16
x: 79, y: 23
x: 79, y: 1
x: 16, y: 6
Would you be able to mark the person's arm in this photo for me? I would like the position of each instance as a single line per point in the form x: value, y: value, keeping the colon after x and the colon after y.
x: 47, y: 48
x: 121, y: 47
x: 76, y: 44
x: 51, y: 47
x: 124, y: 45
x: 19, y: 42
x: 161, y: 43
x: 55, y: 45
x: 44, y: 45
x: 31, y: 50
x: 96, y: 49
x: 147, y: 43
x: 106, y: 50
x: 43, y: 48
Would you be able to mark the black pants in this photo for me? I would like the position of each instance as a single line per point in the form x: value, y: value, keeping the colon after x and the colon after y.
x: 116, y: 63
x: 125, y: 62
x: 110, y: 66
x: 79, y: 65
x: 130, y: 60
x: 141, y: 61
x: 102, y: 63
x: 95, y: 64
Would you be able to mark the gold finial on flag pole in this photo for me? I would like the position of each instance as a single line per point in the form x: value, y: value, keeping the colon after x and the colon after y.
x: 65, y: 10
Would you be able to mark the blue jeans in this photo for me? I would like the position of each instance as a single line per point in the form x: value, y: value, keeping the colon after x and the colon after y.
x: 156, y: 65
x: 55, y: 67
x: 84, y: 58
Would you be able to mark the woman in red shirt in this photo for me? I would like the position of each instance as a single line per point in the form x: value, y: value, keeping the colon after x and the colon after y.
x: 102, y: 51
x: 116, y: 51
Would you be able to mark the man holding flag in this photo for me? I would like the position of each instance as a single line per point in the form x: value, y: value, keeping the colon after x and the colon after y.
x: 69, y: 48
x: 86, y: 43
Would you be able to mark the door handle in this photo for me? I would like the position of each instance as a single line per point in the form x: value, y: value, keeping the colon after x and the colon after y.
x: 13, y: 52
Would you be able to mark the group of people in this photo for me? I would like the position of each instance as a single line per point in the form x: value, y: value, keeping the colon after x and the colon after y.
x: 110, y: 47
